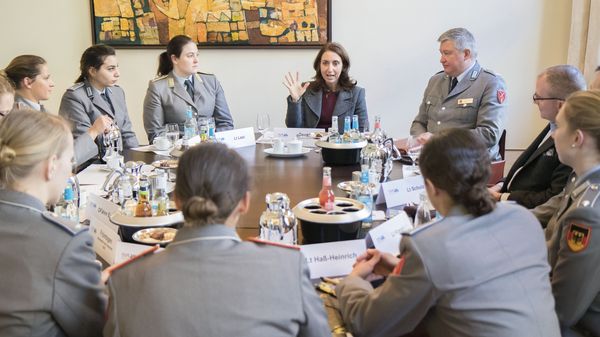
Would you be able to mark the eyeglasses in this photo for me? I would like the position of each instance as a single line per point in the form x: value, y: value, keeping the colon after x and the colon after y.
x: 537, y: 98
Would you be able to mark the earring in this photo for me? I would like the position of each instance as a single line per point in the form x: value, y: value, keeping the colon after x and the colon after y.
x: 573, y: 145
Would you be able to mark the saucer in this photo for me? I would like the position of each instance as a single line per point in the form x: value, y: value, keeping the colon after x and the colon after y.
x: 272, y: 153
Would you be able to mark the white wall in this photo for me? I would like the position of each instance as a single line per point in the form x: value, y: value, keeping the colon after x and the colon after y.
x: 392, y: 46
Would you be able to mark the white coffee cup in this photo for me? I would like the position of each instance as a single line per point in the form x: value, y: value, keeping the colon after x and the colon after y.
x: 294, y: 146
x: 161, y: 143
x: 278, y: 146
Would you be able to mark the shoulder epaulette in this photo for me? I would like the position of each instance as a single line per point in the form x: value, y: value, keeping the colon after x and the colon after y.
x: 439, y: 72
x: 76, y: 86
x: 146, y: 252
x: 66, y: 225
x: 159, y: 78
x: 270, y: 243
x: 201, y: 73
x: 489, y: 71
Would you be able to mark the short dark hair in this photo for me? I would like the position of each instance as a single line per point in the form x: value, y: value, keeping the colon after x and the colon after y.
x: 23, y: 66
x: 344, y: 81
x: 457, y: 161
x: 93, y: 57
x: 174, y: 47
x: 211, y: 181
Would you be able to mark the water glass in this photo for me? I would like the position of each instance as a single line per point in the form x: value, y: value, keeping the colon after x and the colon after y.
x: 413, y: 149
x: 173, y: 133
x: 263, y: 122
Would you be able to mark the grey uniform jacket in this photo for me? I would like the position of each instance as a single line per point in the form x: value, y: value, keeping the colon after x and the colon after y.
x: 307, y: 111
x: 477, y: 103
x: 81, y: 143
x: 463, y: 276
x: 82, y: 106
x: 49, y: 281
x: 209, y: 283
x: 167, y: 102
x: 574, y: 254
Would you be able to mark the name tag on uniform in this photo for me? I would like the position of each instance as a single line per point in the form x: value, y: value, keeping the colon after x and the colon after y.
x: 465, y: 101
x: 237, y: 137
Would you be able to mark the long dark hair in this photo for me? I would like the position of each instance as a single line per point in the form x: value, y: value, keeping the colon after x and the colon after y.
x: 175, y: 47
x: 23, y: 66
x: 211, y: 181
x: 93, y: 57
x: 344, y: 81
x: 457, y: 161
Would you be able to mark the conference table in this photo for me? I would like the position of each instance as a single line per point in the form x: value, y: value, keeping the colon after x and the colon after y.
x: 299, y: 177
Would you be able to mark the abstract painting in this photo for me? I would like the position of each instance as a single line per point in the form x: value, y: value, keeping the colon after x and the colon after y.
x: 212, y: 23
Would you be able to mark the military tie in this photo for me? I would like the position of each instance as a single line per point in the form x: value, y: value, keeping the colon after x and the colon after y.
x: 42, y: 108
x: 107, y: 99
x: 453, y: 84
x: 189, y: 87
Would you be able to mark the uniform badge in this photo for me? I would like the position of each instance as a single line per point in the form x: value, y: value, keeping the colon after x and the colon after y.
x: 501, y: 94
x: 578, y: 237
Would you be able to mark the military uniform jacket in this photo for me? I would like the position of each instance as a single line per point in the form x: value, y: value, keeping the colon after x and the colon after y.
x: 49, y: 283
x: 167, y: 102
x: 82, y: 106
x: 477, y: 103
x: 537, y: 174
x: 574, y: 254
x: 307, y: 111
x: 81, y: 144
x: 462, y: 276
x: 209, y: 283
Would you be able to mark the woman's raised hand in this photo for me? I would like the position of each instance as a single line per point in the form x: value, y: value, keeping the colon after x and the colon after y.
x: 295, y: 87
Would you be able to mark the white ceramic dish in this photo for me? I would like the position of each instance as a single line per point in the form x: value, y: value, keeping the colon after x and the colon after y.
x: 272, y: 153
x: 346, y: 186
x: 160, y: 235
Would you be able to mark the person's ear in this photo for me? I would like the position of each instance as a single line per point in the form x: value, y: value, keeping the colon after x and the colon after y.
x: 50, y: 167
x: 579, y: 138
x: 27, y: 82
x: 174, y: 59
x: 430, y: 188
x: 244, y: 204
x: 467, y: 54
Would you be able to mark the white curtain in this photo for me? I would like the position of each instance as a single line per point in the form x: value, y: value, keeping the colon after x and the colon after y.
x: 584, y: 44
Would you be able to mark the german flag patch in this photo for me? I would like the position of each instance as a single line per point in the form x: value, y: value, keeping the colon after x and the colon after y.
x: 578, y: 237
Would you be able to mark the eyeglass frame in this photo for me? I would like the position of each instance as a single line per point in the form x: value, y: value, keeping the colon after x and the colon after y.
x: 536, y: 98
x: 4, y: 113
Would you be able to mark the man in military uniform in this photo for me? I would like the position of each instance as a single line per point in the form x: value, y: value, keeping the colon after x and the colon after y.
x: 463, y: 95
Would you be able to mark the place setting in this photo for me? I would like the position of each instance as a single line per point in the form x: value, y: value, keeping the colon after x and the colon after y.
x: 289, y: 149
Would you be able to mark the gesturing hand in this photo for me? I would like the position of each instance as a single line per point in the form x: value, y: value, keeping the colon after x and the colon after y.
x: 294, y: 86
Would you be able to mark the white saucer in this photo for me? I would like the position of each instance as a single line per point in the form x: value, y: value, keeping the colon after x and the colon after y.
x: 272, y: 153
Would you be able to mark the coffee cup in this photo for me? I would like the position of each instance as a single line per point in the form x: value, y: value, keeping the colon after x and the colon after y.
x: 278, y: 146
x: 161, y: 143
x: 294, y: 146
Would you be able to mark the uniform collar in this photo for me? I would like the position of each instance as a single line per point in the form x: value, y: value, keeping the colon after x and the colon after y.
x: 96, y: 91
x: 182, y: 80
x: 466, y: 72
x: 31, y: 104
x: 22, y: 199
x: 583, y: 181
x: 206, y: 232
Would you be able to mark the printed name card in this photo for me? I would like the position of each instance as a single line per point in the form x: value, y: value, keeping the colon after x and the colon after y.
x: 332, y: 258
x: 291, y: 133
x: 401, y: 192
x: 237, y: 137
x: 386, y: 237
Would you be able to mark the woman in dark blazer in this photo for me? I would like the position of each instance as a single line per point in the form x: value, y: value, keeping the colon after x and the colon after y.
x: 332, y: 93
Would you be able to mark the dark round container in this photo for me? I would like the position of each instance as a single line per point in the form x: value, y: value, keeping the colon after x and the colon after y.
x: 335, y: 154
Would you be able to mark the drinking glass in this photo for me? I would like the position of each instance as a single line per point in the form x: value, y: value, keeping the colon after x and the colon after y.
x: 263, y: 122
x: 413, y: 149
x: 173, y: 133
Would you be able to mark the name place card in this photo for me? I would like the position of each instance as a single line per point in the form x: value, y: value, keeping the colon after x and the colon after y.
x: 332, y: 258
x: 237, y: 138
x: 386, y: 237
x: 401, y: 192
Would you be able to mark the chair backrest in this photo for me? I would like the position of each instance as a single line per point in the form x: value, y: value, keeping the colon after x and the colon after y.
x: 497, y: 172
x: 502, y: 144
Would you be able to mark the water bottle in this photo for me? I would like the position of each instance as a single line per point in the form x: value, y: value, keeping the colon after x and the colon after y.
x: 423, y: 214
x: 70, y: 211
x: 366, y: 195
x: 346, y: 138
x: 334, y: 133
x: 355, y: 133
x: 126, y: 200
x: 189, y: 127
x: 211, y: 130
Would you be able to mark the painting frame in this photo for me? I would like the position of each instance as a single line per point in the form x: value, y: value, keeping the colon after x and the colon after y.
x: 261, y: 20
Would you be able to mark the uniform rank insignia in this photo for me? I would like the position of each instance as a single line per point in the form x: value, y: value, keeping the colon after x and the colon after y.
x: 578, y: 237
x: 501, y: 94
